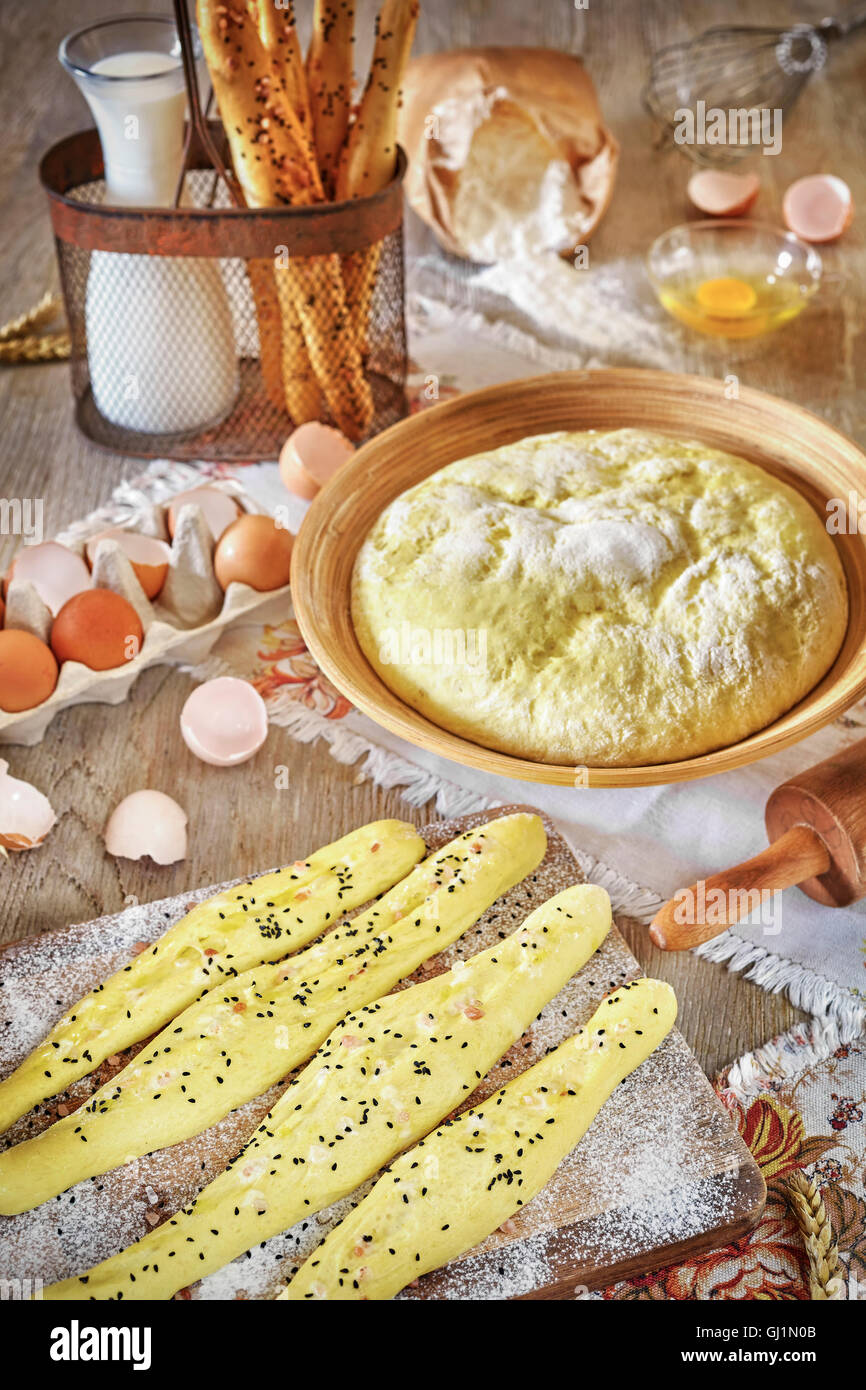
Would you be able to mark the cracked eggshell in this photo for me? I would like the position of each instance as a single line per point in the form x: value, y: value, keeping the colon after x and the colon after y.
x: 150, y: 823
x: 148, y: 556
x: 818, y: 208
x: 224, y: 721
x: 55, y: 572
x: 26, y: 815
x: 218, y: 508
x: 719, y: 193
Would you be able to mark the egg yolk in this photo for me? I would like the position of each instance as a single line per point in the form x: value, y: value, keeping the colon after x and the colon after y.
x: 726, y: 297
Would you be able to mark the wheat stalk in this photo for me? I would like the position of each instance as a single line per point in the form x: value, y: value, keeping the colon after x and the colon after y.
x: 826, y: 1272
x: 44, y: 312
x: 35, y: 347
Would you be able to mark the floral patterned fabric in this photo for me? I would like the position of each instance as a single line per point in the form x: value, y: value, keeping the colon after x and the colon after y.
x: 814, y: 1121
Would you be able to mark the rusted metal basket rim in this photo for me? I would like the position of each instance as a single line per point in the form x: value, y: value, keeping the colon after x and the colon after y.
x: 322, y: 229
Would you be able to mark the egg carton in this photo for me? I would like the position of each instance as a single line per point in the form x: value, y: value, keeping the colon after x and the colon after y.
x: 181, y: 625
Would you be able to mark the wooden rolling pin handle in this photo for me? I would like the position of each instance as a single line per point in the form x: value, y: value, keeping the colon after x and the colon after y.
x: 798, y: 855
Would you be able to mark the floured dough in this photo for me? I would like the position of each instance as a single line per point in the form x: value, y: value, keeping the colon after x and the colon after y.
x: 603, y: 598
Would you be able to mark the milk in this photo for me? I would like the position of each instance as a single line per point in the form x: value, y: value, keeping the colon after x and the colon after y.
x: 160, y: 342
x: 140, y: 126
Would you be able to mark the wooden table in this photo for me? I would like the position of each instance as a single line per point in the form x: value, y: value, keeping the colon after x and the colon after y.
x: 95, y: 755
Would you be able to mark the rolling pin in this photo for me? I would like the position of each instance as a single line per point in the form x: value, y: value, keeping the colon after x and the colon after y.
x: 816, y: 825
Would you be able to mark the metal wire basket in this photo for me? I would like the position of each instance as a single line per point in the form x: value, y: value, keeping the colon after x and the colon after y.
x: 307, y: 304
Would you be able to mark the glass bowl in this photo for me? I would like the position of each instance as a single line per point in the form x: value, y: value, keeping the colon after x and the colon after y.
x: 731, y: 278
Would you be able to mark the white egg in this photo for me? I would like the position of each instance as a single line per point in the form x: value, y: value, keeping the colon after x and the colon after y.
x: 147, y: 823
x: 224, y: 721
x: 26, y: 816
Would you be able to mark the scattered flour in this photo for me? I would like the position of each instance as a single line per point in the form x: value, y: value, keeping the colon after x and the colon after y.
x: 653, y: 1169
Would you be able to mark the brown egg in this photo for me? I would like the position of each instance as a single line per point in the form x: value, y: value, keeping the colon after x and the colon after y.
x: 28, y: 671
x: 311, y: 456
x: 98, y: 628
x: 255, y: 551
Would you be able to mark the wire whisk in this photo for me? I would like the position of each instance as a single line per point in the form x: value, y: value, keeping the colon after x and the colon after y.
x: 743, y: 70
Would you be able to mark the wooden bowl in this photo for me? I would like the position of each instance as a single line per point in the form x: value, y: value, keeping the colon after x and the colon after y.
x: 787, y: 441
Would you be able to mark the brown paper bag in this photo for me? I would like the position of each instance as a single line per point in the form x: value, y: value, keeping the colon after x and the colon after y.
x: 508, y: 153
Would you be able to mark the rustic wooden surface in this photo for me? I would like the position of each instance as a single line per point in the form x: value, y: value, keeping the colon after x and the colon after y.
x: 94, y: 755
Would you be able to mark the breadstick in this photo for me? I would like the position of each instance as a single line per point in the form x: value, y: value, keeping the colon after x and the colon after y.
x: 301, y: 392
x: 260, y: 920
x: 241, y: 1038
x: 369, y: 157
x: 278, y: 36
x: 273, y: 160
x: 330, y: 72
x: 270, y: 149
x: 386, y: 1075
x: 271, y: 336
x: 314, y: 288
x: 457, y: 1186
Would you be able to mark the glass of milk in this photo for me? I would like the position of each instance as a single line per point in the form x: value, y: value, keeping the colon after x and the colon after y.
x: 166, y: 364
x: 130, y: 73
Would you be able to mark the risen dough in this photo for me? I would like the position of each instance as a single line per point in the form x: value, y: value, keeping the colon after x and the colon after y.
x: 604, y: 598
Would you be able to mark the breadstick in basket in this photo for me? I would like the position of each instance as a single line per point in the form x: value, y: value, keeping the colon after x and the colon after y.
x: 270, y: 168
x: 330, y: 72
x: 278, y: 36
x: 270, y: 149
x: 369, y: 158
x: 370, y: 153
x: 272, y: 157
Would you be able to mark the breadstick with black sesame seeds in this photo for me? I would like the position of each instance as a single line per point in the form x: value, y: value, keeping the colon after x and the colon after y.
x: 278, y: 36
x: 271, y: 332
x: 460, y: 1184
x: 369, y: 156
x: 246, y: 1035
x: 330, y: 74
x: 385, y: 1076
x: 262, y: 919
x: 273, y: 160
x: 271, y: 153
x: 269, y: 146
x: 301, y: 391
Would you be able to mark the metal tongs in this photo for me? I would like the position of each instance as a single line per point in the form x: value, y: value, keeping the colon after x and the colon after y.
x: 198, y: 126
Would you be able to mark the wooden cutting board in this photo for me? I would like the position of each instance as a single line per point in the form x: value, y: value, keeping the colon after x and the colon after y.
x: 660, y: 1176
